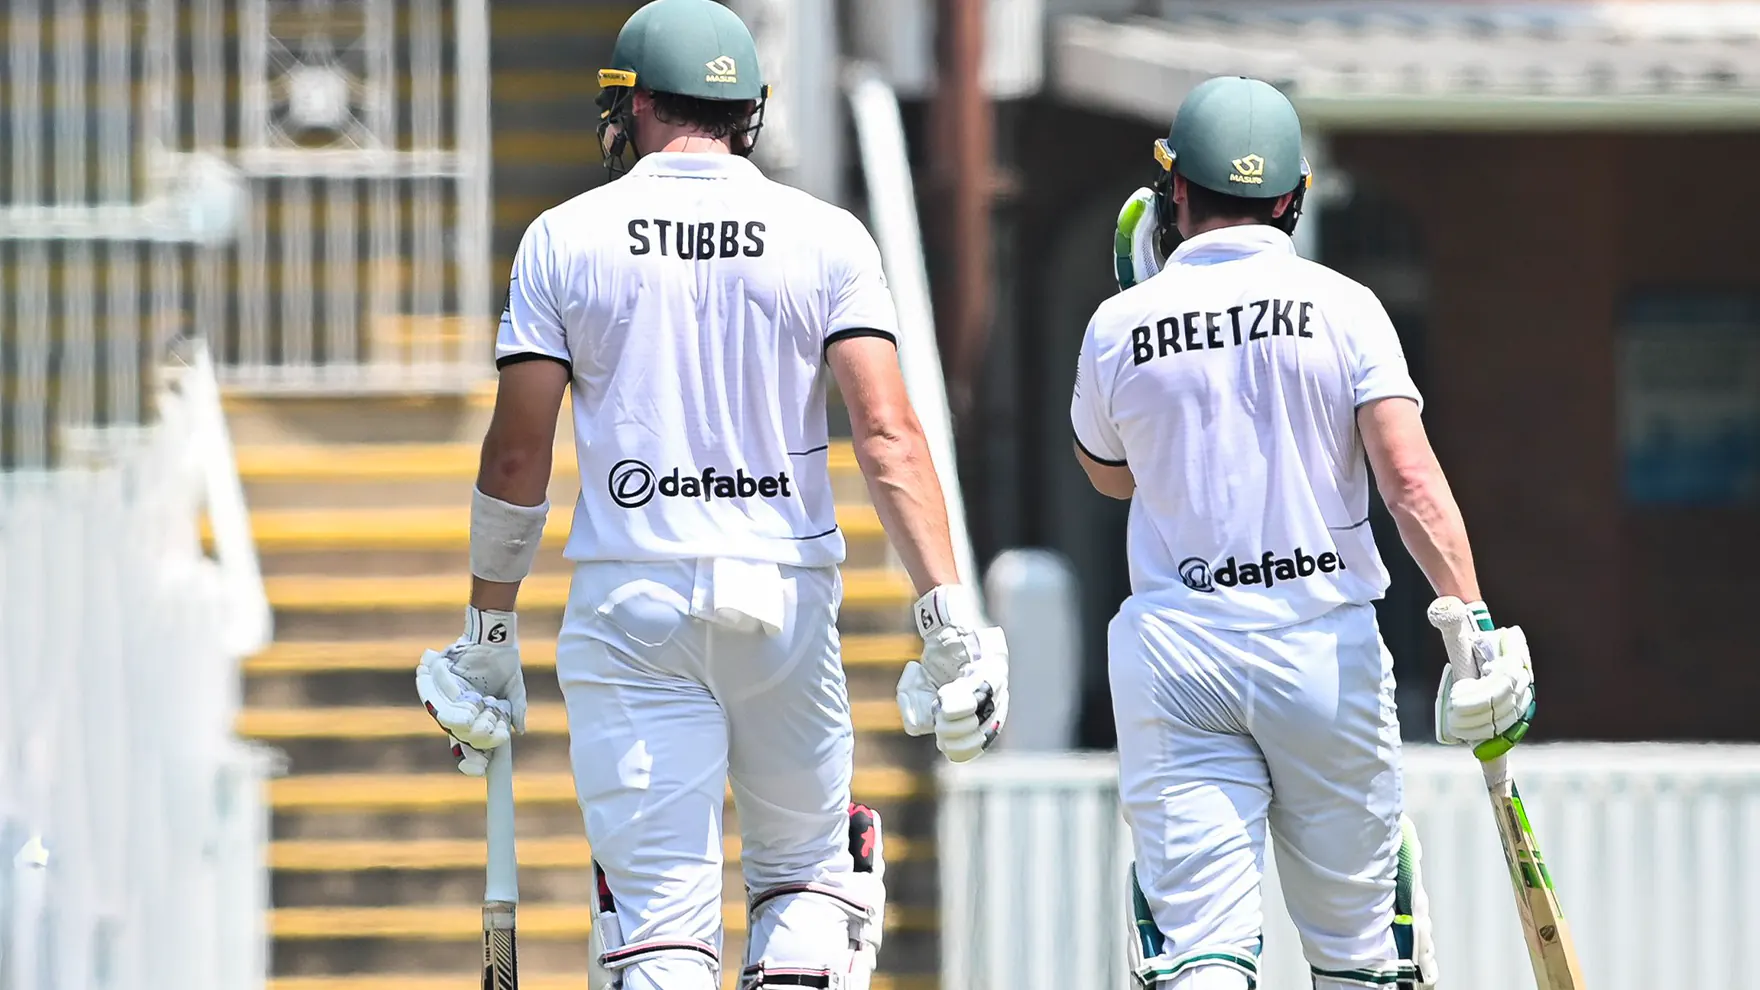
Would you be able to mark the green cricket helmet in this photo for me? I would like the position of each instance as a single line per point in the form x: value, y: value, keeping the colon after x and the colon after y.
x: 694, y: 48
x: 1239, y: 137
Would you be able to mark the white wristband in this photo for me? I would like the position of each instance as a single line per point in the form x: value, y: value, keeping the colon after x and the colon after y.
x: 504, y: 537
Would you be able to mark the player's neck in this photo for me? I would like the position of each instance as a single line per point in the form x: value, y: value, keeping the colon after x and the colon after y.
x: 685, y: 140
x: 1214, y: 223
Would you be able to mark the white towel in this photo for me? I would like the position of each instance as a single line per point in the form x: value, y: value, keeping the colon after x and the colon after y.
x: 740, y: 594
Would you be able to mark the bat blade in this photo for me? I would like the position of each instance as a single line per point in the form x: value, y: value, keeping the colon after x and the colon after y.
x: 1551, y: 948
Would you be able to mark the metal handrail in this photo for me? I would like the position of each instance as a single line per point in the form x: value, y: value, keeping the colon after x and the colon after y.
x: 892, y: 212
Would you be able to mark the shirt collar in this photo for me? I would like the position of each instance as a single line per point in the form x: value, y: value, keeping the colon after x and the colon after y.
x: 1232, y: 243
x: 694, y: 165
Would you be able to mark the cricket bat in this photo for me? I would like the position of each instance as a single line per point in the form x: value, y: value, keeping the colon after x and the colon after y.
x: 501, y: 889
x: 1551, y: 949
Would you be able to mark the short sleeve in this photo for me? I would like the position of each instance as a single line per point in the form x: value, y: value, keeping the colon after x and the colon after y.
x: 531, y: 322
x: 1378, y: 361
x: 860, y: 302
x: 1090, y: 408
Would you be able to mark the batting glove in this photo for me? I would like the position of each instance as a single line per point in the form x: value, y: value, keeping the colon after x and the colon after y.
x: 1491, y: 711
x: 1136, y: 247
x: 959, y: 689
x: 475, y: 689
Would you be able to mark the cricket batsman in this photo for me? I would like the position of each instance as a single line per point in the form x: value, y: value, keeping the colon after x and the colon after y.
x: 698, y: 312
x: 1231, y: 392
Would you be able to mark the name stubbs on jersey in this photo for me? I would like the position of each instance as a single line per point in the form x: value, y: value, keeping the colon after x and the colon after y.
x: 633, y: 484
x: 705, y: 241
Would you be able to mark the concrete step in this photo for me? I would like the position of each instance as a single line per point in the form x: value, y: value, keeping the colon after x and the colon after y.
x: 373, y: 722
x: 542, y: 853
x: 435, y: 528
x: 416, y: 540
x: 362, y: 656
x: 527, y: 981
x: 871, y: 588
x: 342, y: 462
x: 553, y: 869
x: 535, y: 22
x: 906, y: 956
x: 361, y: 792
x: 463, y: 922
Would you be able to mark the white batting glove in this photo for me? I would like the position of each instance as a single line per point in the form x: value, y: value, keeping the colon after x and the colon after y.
x: 1136, y: 249
x: 1492, y: 711
x: 959, y: 690
x: 475, y: 689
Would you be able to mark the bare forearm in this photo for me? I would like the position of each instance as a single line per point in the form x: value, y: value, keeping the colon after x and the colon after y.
x: 907, y: 495
x: 1431, y: 527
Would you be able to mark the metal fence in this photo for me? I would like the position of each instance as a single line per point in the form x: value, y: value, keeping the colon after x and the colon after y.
x: 1655, y: 850
x: 305, y: 183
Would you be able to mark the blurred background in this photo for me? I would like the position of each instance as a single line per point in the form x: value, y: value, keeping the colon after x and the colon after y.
x: 251, y: 253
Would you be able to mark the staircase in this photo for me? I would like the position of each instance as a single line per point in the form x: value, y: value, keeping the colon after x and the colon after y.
x: 360, y: 509
x: 545, y: 56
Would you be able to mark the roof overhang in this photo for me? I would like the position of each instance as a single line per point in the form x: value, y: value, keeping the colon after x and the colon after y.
x: 1433, y: 66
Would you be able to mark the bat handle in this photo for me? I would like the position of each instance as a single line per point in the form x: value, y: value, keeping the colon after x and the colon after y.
x: 1458, y: 623
x: 502, y: 876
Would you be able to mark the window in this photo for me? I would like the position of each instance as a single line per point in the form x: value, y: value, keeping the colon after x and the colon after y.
x: 1689, y: 398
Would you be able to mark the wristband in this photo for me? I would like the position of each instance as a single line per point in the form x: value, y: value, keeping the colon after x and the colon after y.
x: 504, y: 537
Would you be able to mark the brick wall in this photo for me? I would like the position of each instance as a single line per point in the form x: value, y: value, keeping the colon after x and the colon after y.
x: 1636, y: 613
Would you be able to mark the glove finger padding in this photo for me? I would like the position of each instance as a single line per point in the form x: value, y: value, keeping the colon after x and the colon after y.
x: 916, y: 700
x: 971, y: 710
x: 472, y: 762
x: 491, y: 671
x: 464, y: 712
x: 970, y: 718
x: 1136, y: 255
x: 1496, y: 705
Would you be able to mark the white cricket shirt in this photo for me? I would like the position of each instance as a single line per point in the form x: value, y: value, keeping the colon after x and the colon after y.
x: 1229, y: 383
x: 693, y: 300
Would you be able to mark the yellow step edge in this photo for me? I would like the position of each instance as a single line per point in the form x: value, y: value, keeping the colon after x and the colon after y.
x: 433, y: 528
x: 372, y: 792
x: 449, y: 923
x: 410, y: 722
x: 549, y: 148
x: 527, y: 981
x: 573, y: 20
x: 862, y: 588
x: 354, y: 856
x: 404, y: 461
x: 543, y: 85
x: 889, y: 650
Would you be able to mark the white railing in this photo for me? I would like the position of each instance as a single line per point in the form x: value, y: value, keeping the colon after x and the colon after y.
x: 132, y: 827
x: 1655, y: 850
x: 892, y: 212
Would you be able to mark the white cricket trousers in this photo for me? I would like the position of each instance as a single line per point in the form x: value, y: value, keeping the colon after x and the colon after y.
x: 664, y: 710
x: 1221, y: 733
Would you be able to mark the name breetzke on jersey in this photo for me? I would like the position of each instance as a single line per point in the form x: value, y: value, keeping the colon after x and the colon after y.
x: 1230, y: 383
x: 693, y: 301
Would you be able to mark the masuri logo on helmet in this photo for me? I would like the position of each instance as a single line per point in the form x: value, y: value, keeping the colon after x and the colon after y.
x: 722, y: 70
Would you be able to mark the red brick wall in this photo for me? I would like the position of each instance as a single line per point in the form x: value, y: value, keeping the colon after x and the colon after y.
x: 1636, y: 614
